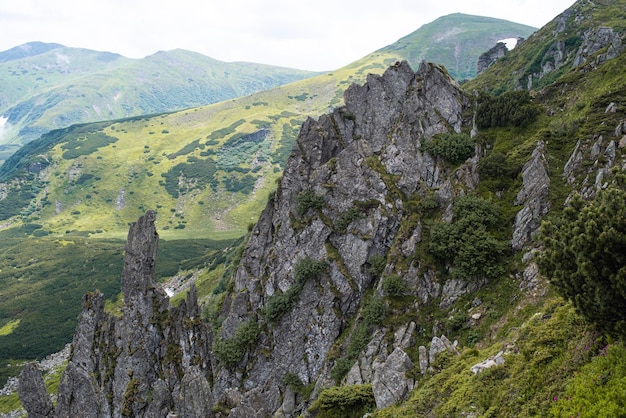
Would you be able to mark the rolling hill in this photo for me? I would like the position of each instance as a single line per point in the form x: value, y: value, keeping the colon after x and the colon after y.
x: 414, y: 260
x: 96, y: 178
x: 49, y: 86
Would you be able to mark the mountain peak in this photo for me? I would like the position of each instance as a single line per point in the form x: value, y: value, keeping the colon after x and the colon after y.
x: 26, y: 50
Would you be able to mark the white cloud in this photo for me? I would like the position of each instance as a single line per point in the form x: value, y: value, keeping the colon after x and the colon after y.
x: 316, y: 35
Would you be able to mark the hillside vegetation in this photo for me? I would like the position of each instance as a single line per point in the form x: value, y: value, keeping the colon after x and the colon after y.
x: 426, y: 231
x: 56, y: 86
x: 207, y: 171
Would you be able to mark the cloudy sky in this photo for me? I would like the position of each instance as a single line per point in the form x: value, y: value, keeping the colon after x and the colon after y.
x: 312, y: 35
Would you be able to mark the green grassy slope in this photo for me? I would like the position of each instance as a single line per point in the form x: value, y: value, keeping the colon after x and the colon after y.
x: 206, y: 170
x: 456, y: 41
x: 64, y: 86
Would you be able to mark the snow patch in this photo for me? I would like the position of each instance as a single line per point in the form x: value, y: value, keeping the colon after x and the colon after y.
x: 4, y: 125
x: 509, y: 42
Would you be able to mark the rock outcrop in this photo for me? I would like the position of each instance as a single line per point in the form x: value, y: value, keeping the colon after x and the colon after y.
x: 344, y: 161
x: 302, y: 276
x: 153, y: 361
x: 486, y: 59
x: 533, y: 196
x: 33, y: 394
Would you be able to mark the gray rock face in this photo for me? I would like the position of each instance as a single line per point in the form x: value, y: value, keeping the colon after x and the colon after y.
x: 390, y: 384
x: 154, y: 361
x: 533, y: 196
x: 33, y: 394
x: 347, y: 159
x: 363, y: 160
x: 487, y: 58
x: 496, y: 360
x: 596, y: 39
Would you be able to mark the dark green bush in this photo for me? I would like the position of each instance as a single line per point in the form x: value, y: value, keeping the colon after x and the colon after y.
x: 281, y: 302
x: 202, y: 170
x: 493, y: 165
x: 454, y: 148
x: 307, y: 200
x: 394, y: 286
x: 377, y: 264
x: 513, y: 108
x: 585, y: 257
x: 374, y: 311
x: 345, y: 402
x: 230, y: 351
x: 468, y: 244
x: 346, y: 218
x: 307, y: 269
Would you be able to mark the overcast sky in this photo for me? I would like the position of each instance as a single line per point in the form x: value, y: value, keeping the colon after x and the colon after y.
x: 312, y: 35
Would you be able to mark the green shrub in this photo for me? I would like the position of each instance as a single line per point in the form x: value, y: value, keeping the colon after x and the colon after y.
x: 493, y: 165
x: 79, y: 145
x: 394, y: 286
x: 344, y: 402
x: 201, y: 170
x: 454, y: 148
x: 346, y: 218
x: 307, y: 200
x: 584, y: 257
x: 377, y: 264
x: 468, y: 243
x: 307, y: 269
x: 282, y: 302
x: 374, y: 311
x: 513, y: 108
x: 598, y: 390
x: 230, y: 351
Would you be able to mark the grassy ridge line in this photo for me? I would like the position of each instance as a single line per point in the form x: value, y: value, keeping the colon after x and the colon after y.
x: 72, y: 85
x: 83, y: 193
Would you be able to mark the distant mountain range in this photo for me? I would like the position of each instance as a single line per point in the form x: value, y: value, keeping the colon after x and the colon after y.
x: 49, y: 86
x: 121, y: 167
x: 45, y: 86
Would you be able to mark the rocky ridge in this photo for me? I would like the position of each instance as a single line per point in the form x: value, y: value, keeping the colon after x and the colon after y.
x: 363, y: 159
x: 486, y: 59
x: 302, y: 284
x: 152, y: 360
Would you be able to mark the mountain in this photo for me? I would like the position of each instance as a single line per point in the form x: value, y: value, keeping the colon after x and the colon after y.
x: 455, y: 41
x: 396, y: 270
x: 27, y: 50
x: 67, y: 198
x: 48, y: 86
x: 242, y: 144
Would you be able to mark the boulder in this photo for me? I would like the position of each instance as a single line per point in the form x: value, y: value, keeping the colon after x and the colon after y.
x: 496, y: 360
x: 390, y: 383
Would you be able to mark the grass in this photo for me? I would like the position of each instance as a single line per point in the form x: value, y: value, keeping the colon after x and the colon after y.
x: 8, y: 328
x: 543, y: 353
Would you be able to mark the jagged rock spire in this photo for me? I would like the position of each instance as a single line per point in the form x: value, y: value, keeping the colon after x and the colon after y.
x: 33, y: 394
x: 140, y: 259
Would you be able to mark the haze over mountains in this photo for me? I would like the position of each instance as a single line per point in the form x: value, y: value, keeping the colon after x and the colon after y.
x: 49, y: 86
